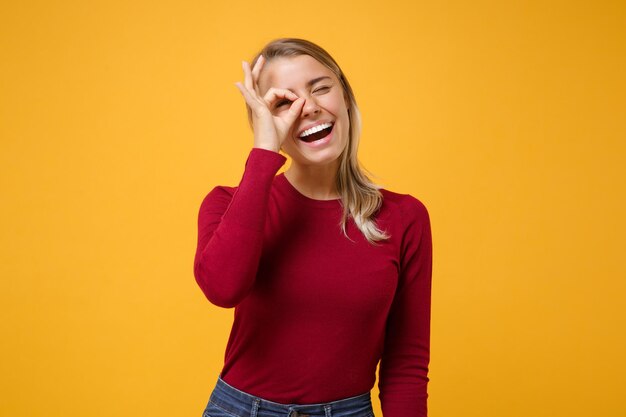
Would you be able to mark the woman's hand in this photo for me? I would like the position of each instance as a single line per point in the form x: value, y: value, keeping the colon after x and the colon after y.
x: 270, y: 131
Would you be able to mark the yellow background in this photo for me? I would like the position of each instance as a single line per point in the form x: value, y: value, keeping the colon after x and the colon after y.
x: 507, y: 119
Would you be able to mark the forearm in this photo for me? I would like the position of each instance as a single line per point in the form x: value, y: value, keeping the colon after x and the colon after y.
x: 230, y: 231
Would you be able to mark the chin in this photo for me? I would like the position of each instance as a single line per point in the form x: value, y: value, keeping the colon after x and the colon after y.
x: 324, y: 155
x: 318, y: 161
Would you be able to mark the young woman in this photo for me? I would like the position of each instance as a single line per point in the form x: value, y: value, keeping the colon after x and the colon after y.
x: 328, y: 273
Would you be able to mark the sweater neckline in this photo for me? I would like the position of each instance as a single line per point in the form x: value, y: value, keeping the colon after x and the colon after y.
x: 289, y: 189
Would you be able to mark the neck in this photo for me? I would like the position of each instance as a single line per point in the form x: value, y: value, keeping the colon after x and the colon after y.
x: 314, y: 181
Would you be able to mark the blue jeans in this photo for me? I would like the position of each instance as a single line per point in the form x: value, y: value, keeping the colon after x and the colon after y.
x: 228, y: 401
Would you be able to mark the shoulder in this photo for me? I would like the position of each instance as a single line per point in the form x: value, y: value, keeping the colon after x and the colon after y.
x: 409, y: 207
x: 409, y: 214
x: 220, y: 195
x: 221, y: 191
x: 413, y: 220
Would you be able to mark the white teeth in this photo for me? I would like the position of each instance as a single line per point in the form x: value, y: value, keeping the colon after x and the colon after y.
x: 315, y: 129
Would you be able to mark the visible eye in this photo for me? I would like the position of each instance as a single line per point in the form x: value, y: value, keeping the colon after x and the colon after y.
x: 282, y: 103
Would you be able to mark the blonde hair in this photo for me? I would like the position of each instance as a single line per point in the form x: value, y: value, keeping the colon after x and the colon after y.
x: 360, y: 197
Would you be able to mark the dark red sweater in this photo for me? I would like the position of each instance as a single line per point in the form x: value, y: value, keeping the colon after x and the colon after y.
x: 314, y: 311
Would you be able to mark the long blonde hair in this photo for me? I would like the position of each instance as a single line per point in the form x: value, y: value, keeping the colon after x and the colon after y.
x: 360, y: 197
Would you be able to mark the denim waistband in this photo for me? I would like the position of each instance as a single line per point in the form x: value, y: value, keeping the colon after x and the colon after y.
x: 239, y: 403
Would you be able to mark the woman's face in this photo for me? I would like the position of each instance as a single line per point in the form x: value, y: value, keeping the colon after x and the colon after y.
x: 324, y: 102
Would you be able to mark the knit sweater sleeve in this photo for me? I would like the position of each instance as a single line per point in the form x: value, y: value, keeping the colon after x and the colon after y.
x: 403, y: 372
x: 230, y: 231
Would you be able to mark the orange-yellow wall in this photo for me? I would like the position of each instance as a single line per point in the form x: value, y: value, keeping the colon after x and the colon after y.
x: 507, y: 119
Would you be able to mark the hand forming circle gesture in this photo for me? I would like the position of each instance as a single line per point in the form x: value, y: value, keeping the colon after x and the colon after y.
x: 270, y: 131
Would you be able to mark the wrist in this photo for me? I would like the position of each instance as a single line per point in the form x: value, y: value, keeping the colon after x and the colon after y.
x: 267, y: 147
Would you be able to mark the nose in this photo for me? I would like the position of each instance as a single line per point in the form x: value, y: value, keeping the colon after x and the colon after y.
x: 310, y: 107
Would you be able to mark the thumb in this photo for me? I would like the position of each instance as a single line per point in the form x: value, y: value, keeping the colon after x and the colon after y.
x: 294, y: 111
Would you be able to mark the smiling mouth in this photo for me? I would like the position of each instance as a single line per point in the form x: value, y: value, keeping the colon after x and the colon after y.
x: 318, y: 135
